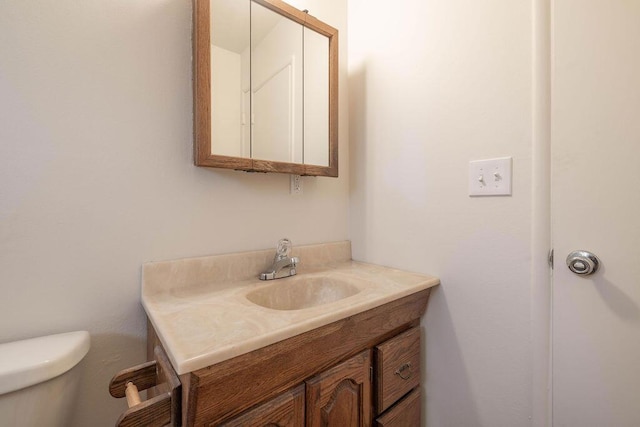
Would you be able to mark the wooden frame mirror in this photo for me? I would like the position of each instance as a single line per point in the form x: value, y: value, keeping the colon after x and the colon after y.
x: 308, y: 123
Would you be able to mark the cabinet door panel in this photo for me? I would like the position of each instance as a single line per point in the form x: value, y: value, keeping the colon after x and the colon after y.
x: 286, y: 410
x: 341, y: 396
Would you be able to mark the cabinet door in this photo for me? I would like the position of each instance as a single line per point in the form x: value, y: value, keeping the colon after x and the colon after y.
x: 341, y: 396
x: 286, y: 410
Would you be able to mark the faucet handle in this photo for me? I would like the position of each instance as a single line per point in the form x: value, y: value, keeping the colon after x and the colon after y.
x: 283, y: 250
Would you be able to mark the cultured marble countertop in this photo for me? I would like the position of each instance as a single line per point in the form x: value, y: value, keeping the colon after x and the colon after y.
x: 201, y: 315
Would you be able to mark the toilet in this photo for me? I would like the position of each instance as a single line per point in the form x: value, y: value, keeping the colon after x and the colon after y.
x: 39, y: 379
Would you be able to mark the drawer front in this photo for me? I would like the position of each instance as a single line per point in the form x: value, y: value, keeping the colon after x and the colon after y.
x: 397, y: 368
x: 405, y: 414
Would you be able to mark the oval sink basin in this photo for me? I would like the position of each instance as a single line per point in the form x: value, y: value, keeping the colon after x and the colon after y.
x: 296, y: 293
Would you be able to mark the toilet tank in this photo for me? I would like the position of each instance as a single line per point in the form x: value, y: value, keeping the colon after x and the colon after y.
x: 39, y: 379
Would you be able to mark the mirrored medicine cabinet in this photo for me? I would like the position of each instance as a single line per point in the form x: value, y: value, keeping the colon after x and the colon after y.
x: 265, y: 88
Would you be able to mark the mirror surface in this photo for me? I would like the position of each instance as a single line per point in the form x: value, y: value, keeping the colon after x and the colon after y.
x: 277, y: 65
x: 266, y: 98
x: 316, y: 101
x: 230, y: 65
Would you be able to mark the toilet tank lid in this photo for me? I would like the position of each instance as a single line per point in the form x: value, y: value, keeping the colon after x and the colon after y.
x: 32, y: 361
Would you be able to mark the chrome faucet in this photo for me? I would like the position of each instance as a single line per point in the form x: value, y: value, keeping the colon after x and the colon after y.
x: 283, y: 265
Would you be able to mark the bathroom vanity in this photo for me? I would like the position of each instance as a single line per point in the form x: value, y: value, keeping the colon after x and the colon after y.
x: 227, y: 349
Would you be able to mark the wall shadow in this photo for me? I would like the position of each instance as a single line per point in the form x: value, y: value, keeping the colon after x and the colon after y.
x: 94, y: 405
x: 447, y: 396
x: 358, y: 161
x: 616, y: 299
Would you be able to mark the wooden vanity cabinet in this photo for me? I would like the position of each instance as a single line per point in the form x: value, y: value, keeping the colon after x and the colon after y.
x: 359, y: 371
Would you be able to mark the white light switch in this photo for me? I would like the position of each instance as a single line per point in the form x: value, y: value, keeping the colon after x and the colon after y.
x: 491, y: 177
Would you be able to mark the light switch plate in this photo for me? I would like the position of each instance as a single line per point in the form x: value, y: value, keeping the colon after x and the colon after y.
x: 491, y: 177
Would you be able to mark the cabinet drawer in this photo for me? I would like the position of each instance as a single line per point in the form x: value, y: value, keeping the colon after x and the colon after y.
x: 397, y: 368
x: 286, y: 410
x: 405, y: 414
x: 163, y: 391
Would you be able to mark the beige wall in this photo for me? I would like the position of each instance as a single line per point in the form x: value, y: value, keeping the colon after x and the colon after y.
x: 433, y: 85
x: 97, y: 176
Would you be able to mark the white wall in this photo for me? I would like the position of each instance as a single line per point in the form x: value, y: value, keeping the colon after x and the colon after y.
x: 97, y: 175
x: 433, y: 85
